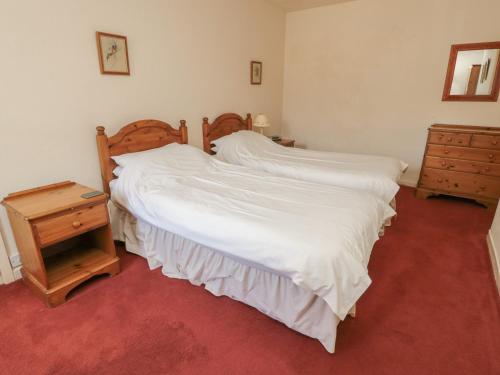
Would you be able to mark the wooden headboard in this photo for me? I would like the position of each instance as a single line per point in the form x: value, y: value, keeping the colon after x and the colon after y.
x: 223, y: 125
x: 138, y: 136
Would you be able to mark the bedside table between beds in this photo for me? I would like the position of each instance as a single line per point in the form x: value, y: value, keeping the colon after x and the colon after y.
x: 286, y: 142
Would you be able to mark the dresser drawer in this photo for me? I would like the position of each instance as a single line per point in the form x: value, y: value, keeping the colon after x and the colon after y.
x: 488, y: 169
x: 486, y: 141
x: 460, y: 183
x: 454, y: 139
x: 464, y: 153
x: 70, y: 224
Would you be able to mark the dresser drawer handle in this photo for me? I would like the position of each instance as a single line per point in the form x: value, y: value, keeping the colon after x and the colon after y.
x: 439, y: 180
x: 491, y: 156
x: 494, y: 142
x: 77, y: 224
x: 449, y: 139
x: 443, y: 163
x: 446, y: 151
x: 487, y: 169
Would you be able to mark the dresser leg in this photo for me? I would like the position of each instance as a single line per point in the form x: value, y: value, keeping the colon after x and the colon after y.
x: 490, y: 206
x: 423, y: 194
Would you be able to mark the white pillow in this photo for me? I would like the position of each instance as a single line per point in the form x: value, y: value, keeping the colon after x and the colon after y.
x: 142, y: 156
x: 117, y: 171
x: 220, y: 141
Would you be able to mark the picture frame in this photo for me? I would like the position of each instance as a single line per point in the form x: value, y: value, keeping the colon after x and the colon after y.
x: 113, y: 53
x: 256, y: 72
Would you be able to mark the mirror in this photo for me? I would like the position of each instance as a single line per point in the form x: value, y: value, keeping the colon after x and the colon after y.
x: 473, y: 73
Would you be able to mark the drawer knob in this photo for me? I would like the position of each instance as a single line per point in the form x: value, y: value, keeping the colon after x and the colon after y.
x: 77, y: 224
x: 491, y: 156
x: 439, y: 180
x: 494, y: 142
x: 487, y: 169
x: 450, y: 139
x: 446, y: 151
x: 443, y: 163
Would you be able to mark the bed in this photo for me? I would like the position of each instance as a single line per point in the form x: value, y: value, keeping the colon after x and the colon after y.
x: 248, y: 235
x: 230, y: 138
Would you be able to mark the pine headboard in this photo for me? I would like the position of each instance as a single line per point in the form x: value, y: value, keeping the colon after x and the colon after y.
x: 225, y: 124
x: 137, y: 136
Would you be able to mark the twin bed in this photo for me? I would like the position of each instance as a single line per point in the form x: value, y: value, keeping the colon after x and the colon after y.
x: 296, y: 250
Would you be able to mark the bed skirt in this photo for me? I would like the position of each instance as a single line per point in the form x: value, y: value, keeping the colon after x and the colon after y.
x: 274, y: 295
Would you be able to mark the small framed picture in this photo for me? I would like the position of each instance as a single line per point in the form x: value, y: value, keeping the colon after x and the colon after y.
x: 256, y: 73
x: 113, y: 53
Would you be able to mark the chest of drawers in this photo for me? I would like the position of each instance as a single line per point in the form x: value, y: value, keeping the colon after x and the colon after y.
x: 462, y: 161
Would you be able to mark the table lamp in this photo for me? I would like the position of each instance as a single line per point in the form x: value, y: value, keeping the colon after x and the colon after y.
x: 261, y: 121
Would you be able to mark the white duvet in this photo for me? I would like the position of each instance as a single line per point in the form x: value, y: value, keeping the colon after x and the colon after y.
x: 375, y: 174
x: 319, y: 236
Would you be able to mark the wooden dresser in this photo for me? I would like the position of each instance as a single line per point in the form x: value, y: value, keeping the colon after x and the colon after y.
x: 63, y: 238
x: 462, y: 161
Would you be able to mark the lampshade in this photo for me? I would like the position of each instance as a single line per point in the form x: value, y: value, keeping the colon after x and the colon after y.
x: 261, y: 121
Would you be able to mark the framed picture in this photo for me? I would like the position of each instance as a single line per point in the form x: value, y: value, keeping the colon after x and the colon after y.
x: 255, y: 72
x: 113, y: 53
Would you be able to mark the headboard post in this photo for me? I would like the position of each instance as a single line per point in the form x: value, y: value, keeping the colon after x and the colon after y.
x: 103, y: 151
x: 206, y: 140
x: 184, y: 132
x: 249, y: 121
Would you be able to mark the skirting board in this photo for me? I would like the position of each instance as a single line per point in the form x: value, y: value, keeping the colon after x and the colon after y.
x: 495, y: 259
x: 6, y: 274
x: 17, y: 273
x: 407, y: 182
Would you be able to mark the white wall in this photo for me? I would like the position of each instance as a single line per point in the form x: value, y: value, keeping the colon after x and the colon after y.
x: 494, y: 246
x: 367, y: 76
x: 188, y: 58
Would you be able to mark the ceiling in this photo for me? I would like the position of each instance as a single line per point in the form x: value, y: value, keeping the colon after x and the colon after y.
x: 291, y: 5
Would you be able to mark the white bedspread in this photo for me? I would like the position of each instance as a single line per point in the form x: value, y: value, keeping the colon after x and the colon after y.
x: 319, y: 236
x: 376, y: 174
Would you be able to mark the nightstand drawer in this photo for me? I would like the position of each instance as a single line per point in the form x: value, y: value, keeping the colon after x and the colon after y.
x: 70, y: 224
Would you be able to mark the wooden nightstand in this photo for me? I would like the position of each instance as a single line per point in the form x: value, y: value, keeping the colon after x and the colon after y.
x: 63, y: 239
x: 286, y: 142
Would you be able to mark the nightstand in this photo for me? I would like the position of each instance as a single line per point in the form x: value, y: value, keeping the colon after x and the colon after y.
x: 63, y: 239
x: 286, y: 142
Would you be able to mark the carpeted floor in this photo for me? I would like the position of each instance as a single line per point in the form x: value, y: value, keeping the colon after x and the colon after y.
x: 432, y: 309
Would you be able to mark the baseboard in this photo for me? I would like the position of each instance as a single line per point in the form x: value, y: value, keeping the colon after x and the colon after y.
x: 495, y: 259
x: 407, y: 182
x: 5, y: 266
x: 17, y: 273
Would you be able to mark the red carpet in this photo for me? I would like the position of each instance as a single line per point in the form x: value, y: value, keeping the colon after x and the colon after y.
x: 432, y: 309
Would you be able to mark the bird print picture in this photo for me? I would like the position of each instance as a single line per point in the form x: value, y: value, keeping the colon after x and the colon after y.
x: 113, y: 53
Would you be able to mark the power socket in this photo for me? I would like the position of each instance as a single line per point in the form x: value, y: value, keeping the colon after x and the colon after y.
x: 15, y: 260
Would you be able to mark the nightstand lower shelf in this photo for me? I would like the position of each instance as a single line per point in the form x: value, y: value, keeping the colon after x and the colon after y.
x: 75, y: 264
x: 67, y: 270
